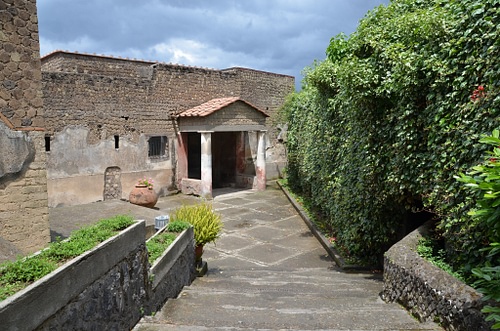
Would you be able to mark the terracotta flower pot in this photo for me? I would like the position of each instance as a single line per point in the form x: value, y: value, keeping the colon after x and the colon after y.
x: 198, y: 252
x: 143, y: 195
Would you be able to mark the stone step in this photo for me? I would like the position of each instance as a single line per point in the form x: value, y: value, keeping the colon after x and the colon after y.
x: 305, y: 299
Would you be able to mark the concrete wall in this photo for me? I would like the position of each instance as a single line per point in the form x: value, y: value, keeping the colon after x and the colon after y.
x: 24, y: 223
x: 426, y: 291
x: 88, y: 100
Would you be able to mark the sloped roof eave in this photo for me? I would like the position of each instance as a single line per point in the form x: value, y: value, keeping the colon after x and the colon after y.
x: 213, y: 106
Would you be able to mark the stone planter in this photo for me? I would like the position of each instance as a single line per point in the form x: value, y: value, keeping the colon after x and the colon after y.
x: 143, y: 195
x: 173, y: 270
x: 101, y: 289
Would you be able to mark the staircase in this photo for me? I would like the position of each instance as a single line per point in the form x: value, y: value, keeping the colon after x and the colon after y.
x: 306, y: 299
x: 267, y: 272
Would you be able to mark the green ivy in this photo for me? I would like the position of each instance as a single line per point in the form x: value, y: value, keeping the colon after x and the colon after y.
x: 382, y: 126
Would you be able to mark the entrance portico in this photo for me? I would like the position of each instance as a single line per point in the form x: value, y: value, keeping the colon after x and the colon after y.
x: 221, y: 143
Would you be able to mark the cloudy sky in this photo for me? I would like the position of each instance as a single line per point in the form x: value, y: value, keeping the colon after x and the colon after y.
x: 281, y: 36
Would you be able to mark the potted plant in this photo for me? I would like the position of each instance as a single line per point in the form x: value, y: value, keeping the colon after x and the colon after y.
x: 207, y: 226
x: 143, y: 193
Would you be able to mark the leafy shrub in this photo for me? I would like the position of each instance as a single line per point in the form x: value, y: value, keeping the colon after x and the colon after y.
x: 384, y: 123
x: 207, y: 225
x: 16, y: 275
x: 484, y: 181
x: 429, y: 250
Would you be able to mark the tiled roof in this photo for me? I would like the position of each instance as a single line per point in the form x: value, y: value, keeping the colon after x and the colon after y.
x: 214, y: 105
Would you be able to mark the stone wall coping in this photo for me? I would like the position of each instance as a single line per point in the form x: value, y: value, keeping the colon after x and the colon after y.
x: 404, y: 254
x: 34, y: 304
x: 55, y: 53
x: 427, y: 291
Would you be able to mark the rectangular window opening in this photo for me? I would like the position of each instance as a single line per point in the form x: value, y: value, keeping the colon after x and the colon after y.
x: 158, y: 147
x: 117, y: 142
x: 47, y: 143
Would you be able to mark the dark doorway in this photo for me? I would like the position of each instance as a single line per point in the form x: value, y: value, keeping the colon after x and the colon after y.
x: 224, y: 159
x: 194, y: 155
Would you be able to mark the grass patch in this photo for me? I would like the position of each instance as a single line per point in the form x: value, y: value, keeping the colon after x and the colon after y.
x: 158, y: 244
x: 178, y: 226
x: 18, y: 274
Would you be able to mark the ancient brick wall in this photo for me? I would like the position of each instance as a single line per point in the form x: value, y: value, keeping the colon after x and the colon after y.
x: 95, y: 99
x: 96, y: 65
x: 23, y: 179
x: 179, y: 87
x: 105, y: 105
x: 20, y: 92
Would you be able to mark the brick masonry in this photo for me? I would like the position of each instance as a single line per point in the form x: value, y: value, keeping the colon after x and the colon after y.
x: 90, y: 99
x: 23, y: 181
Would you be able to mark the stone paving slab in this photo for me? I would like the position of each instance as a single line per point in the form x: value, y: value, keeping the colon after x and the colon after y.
x: 268, y: 272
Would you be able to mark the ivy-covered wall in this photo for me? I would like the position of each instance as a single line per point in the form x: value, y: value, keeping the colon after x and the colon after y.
x: 396, y: 110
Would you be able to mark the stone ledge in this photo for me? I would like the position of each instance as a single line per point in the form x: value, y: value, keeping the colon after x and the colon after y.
x: 105, y: 288
x: 428, y: 292
x: 47, y: 296
x: 173, y: 270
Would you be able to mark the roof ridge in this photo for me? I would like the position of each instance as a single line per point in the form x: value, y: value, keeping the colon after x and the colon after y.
x: 213, y: 105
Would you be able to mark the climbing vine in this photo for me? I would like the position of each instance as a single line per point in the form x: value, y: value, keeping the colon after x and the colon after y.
x: 382, y: 126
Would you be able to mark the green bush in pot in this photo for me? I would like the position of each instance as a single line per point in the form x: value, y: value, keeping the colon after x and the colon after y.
x: 207, y: 224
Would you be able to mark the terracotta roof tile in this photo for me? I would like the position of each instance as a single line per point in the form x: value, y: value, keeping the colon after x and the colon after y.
x: 214, y: 105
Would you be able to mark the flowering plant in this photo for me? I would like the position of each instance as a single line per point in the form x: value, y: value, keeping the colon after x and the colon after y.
x: 478, y: 93
x: 147, y: 182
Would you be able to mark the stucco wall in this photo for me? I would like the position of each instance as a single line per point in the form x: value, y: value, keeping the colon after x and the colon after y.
x: 232, y: 116
x: 76, y: 168
x: 23, y: 183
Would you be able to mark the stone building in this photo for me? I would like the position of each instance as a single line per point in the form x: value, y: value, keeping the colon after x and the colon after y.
x: 111, y: 121
x: 24, y: 224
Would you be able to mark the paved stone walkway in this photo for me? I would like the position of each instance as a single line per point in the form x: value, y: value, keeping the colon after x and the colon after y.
x: 268, y: 272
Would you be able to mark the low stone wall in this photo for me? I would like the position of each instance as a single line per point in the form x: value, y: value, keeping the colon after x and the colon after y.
x: 428, y: 292
x: 172, y: 271
x: 107, y: 288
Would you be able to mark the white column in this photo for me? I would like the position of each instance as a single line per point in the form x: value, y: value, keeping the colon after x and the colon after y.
x: 206, y: 164
x: 260, y: 167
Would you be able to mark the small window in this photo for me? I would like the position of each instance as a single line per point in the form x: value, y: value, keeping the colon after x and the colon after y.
x: 158, y: 147
x: 47, y: 143
x: 117, y: 142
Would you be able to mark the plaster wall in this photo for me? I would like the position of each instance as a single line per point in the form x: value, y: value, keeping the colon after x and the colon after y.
x: 77, y: 168
x: 232, y: 116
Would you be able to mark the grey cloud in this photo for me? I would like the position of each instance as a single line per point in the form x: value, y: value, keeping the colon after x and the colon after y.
x: 278, y: 35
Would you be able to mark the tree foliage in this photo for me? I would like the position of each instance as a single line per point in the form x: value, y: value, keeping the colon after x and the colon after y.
x: 384, y: 123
